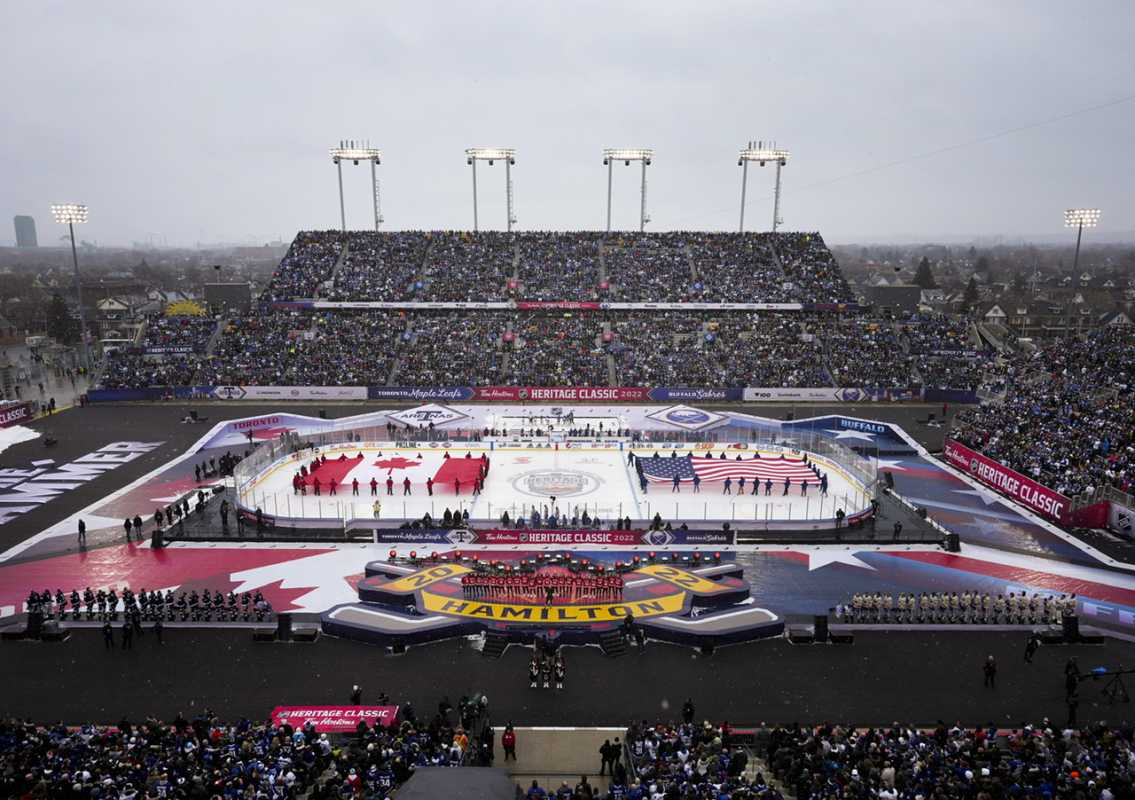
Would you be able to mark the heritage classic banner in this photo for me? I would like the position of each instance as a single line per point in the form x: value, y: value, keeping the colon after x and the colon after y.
x: 566, y: 305
x: 334, y: 719
x: 563, y: 393
x: 14, y: 413
x: 1025, y: 490
x: 557, y: 537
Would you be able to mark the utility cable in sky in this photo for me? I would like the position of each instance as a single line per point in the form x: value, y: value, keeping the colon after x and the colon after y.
x: 968, y: 143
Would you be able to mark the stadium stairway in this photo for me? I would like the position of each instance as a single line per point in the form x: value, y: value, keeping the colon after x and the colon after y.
x: 495, y: 644
x: 996, y: 335
x: 338, y: 264
x: 215, y: 339
x: 612, y: 643
x: 759, y: 765
x: 556, y: 755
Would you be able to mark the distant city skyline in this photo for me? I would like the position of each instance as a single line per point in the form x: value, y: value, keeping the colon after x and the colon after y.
x: 932, y: 122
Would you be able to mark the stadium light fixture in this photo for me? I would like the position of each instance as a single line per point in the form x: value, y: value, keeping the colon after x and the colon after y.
x: 355, y: 151
x: 492, y: 155
x: 627, y: 155
x: 762, y: 153
x: 72, y: 214
x: 1080, y: 218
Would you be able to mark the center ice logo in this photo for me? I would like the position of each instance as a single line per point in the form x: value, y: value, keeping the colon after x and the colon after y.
x: 556, y: 483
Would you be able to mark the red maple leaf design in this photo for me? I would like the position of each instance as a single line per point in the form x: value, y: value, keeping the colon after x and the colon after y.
x: 283, y: 599
x: 398, y: 462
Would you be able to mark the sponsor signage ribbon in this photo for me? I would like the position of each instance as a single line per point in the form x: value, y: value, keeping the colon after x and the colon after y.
x: 334, y: 719
x: 1024, y: 490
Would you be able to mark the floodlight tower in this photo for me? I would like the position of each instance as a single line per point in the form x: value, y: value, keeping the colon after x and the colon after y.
x: 1080, y: 218
x: 72, y: 214
x: 492, y: 154
x: 762, y: 152
x: 356, y: 151
x: 627, y: 155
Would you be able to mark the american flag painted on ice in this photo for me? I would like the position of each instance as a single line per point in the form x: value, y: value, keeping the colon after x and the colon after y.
x: 663, y: 469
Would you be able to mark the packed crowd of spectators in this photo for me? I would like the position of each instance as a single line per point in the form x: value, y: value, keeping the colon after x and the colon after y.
x: 687, y: 759
x: 559, y: 266
x: 946, y: 353
x: 558, y: 350
x: 662, y: 349
x: 285, y: 346
x: 124, y: 370
x: 757, y: 349
x: 467, y: 267
x: 307, y: 264
x: 379, y: 266
x: 738, y: 268
x: 1067, y: 419
x: 206, y: 758
x: 357, y: 348
x: 937, y: 333
x: 810, y: 268
x: 835, y: 761
x: 451, y: 351
x: 547, y: 266
x: 169, y: 354
x: 952, y: 372
x: 866, y: 354
x: 649, y: 268
x: 252, y: 351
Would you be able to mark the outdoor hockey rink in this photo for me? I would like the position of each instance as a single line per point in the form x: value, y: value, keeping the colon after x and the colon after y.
x: 596, y: 479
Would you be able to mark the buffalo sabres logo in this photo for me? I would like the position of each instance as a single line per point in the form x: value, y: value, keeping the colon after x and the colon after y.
x: 659, y: 538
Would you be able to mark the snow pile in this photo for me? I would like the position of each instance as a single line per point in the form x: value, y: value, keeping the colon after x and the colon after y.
x: 14, y: 435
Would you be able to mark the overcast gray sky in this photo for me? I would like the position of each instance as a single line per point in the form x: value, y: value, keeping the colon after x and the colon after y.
x: 211, y: 121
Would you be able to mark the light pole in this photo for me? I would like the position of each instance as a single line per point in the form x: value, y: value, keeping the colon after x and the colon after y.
x: 627, y: 155
x: 72, y: 214
x: 492, y: 154
x: 355, y: 151
x: 1080, y: 218
x: 762, y: 152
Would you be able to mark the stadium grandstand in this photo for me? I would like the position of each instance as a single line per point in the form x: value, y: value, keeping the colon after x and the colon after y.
x: 545, y: 309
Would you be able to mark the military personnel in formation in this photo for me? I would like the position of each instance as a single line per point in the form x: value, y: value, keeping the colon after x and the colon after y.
x: 954, y: 608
